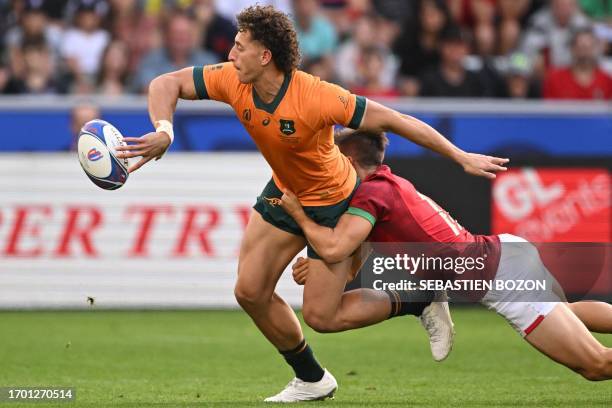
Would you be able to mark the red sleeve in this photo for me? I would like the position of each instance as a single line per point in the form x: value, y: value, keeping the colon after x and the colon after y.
x: 370, y: 201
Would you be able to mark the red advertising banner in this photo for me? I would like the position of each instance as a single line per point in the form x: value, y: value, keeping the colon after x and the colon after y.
x: 561, y: 205
x: 553, y: 204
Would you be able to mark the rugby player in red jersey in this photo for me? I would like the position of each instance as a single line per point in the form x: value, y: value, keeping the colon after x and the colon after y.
x: 388, y: 209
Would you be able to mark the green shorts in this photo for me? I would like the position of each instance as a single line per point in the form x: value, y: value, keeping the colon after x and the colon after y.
x: 327, y: 215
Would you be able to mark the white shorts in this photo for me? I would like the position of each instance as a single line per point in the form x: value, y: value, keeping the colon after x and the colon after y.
x: 523, y: 309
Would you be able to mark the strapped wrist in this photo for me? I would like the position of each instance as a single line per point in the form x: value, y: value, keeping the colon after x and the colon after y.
x: 166, y: 127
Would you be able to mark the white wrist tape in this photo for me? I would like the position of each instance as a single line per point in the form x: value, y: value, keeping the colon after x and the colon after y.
x: 165, y: 126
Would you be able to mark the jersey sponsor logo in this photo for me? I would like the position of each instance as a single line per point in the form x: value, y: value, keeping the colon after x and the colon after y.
x: 273, y: 201
x: 246, y: 115
x: 287, y: 127
x: 291, y: 140
x: 266, y: 122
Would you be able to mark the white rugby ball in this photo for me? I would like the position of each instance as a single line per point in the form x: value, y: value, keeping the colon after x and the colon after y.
x: 96, y: 149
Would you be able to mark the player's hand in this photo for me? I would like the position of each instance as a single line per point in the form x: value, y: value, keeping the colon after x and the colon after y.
x: 290, y: 203
x: 300, y: 270
x: 483, y: 166
x: 150, y: 146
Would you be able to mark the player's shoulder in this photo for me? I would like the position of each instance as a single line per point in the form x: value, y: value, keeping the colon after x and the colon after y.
x: 375, y: 184
x: 305, y: 81
x: 224, y: 67
x: 384, y: 181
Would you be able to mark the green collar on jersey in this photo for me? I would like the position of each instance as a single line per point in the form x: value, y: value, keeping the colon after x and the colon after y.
x: 271, y: 107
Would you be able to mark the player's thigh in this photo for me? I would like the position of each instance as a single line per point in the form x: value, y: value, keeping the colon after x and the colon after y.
x: 565, y: 339
x: 324, y: 287
x: 265, y: 252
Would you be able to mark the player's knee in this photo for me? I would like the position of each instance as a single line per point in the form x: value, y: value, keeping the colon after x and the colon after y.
x: 247, y: 296
x: 318, y: 321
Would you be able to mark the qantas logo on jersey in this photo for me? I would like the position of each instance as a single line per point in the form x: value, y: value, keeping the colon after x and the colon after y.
x: 287, y: 127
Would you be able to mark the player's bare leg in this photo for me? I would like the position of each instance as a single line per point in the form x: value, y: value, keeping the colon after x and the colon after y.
x: 327, y: 309
x: 565, y: 339
x: 265, y: 253
x: 596, y: 316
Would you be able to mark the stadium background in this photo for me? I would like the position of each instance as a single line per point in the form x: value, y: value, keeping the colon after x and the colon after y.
x: 169, y: 239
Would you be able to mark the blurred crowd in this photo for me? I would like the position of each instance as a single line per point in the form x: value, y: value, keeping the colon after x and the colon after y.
x: 555, y: 49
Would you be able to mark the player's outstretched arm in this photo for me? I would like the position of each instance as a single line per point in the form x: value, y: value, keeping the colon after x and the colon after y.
x: 379, y: 118
x: 332, y: 244
x: 164, y: 93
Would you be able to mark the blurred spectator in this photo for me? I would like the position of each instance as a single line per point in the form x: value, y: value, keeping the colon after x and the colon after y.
x: 139, y: 31
x: 450, y: 78
x: 351, y: 53
x: 80, y: 115
x: 56, y: 10
x: 584, y: 79
x: 218, y: 32
x: 418, y: 46
x: 511, y: 14
x: 397, y: 11
x: 38, y: 76
x: 479, y: 17
x: 322, y: 69
x: 550, y: 31
x: 600, y: 10
x: 179, y: 51
x: 113, y: 77
x: 316, y: 35
x: 371, y: 67
x: 84, y: 43
x: 229, y: 9
x: 33, y: 27
x: 4, y: 78
x: 519, y: 83
x: 341, y: 15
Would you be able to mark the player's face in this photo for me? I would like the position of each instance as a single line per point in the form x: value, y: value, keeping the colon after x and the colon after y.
x: 247, y: 56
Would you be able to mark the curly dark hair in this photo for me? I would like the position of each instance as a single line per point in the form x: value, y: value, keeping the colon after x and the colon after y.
x: 275, y: 31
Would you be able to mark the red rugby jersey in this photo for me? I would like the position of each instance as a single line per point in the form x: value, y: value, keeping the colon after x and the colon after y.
x: 400, y: 214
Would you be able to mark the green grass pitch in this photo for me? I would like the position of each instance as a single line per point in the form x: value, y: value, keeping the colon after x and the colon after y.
x: 218, y: 358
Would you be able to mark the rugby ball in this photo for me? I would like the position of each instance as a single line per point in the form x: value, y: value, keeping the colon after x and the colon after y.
x: 96, y: 149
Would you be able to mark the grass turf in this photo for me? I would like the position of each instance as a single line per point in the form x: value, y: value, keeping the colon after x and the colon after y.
x: 218, y: 358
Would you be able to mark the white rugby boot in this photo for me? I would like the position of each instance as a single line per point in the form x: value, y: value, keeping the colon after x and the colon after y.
x: 436, y: 320
x: 298, y: 390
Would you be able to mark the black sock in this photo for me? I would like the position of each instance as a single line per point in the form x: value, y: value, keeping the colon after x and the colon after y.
x: 303, y: 362
x: 409, y: 302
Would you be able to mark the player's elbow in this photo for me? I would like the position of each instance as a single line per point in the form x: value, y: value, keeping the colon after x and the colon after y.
x: 177, y: 84
x: 162, y: 84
